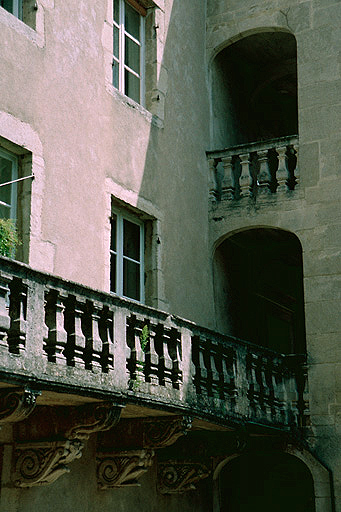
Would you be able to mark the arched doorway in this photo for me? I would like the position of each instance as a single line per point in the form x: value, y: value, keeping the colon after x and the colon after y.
x: 258, y: 279
x: 254, y: 90
x: 266, y: 482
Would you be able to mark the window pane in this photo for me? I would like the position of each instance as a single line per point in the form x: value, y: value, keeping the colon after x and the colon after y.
x: 131, y: 280
x: 5, y: 175
x: 115, y: 74
x: 116, y: 42
x: 113, y: 232
x: 132, y: 21
x: 132, y: 55
x: 132, y: 86
x: 113, y: 273
x: 117, y: 11
x: 131, y: 240
x: 8, y: 5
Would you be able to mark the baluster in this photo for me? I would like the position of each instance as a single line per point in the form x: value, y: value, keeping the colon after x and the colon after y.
x: 227, y: 185
x: 147, y: 340
x: 245, y: 176
x: 130, y: 337
x: 17, y: 312
x: 160, y: 353
x: 264, y: 176
x: 203, y: 367
x: 282, y: 171
x: 106, y: 329
x: 212, y: 166
x: 55, y: 342
x: 5, y: 320
x: 215, y: 364
x: 74, y: 351
x: 141, y: 347
x: 153, y: 355
x: 295, y: 170
x: 93, y: 344
x: 174, y: 347
x: 196, y: 363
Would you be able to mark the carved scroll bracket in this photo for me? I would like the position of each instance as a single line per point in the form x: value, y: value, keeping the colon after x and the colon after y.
x: 42, y: 463
x: 16, y: 405
x: 180, y: 476
x: 122, y: 469
x: 93, y: 418
x: 160, y: 433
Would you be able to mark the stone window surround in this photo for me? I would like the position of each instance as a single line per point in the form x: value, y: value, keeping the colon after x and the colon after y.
x: 36, y: 30
x: 155, y: 73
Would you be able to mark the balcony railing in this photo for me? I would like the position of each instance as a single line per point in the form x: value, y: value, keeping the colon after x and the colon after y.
x: 254, y: 170
x: 58, y: 335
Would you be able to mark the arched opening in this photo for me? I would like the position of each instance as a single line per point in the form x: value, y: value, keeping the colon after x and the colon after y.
x: 266, y: 482
x: 258, y: 279
x: 254, y: 90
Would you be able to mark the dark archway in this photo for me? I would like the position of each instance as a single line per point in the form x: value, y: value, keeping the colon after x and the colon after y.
x: 258, y: 279
x: 266, y: 482
x: 254, y: 90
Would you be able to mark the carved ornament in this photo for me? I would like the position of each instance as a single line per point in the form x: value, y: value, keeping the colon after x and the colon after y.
x: 42, y: 463
x: 17, y: 405
x: 122, y: 469
x: 164, y: 432
x: 93, y: 418
x: 180, y: 476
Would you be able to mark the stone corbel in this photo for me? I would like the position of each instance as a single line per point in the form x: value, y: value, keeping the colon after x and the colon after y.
x: 122, y: 469
x: 38, y: 464
x: 17, y: 405
x: 176, y: 477
x: 164, y: 432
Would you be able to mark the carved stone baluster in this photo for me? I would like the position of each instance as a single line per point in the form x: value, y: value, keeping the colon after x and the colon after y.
x: 55, y: 342
x: 5, y: 320
x: 254, y: 387
x: 204, y: 377
x: 264, y: 176
x: 296, y: 170
x: 147, y: 341
x: 78, y: 340
x: 130, y: 337
x: 173, y: 349
x: 212, y: 167
x: 245, y: 176
x: 227, y: 185
x: 282, y: 171
x: 142, y: 346
x: 95, y: 341
x: 196, y: 371
x: 106, y: 332
x: 17, y: 312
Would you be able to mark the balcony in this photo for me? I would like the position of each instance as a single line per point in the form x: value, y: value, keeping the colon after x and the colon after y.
x: 59, y: 337
x: 254, y: 171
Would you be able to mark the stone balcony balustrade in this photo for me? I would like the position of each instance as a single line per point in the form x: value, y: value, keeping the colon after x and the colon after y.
x: 60, y: 336
x: 254, y: 170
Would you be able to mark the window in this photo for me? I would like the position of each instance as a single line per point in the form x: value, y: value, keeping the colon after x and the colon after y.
x: 8, y: 193
x: 127, y: 257
x: 13, y: 6
x: 128, y: 49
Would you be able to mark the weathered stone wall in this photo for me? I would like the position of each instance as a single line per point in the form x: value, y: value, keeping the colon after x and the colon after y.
x: 312, y: 212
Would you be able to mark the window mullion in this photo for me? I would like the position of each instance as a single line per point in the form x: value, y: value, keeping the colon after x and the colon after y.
x: 142, y: 59
x: 122, y: 47
x: 119, y: 248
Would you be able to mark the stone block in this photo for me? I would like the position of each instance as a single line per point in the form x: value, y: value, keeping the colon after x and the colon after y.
x: 323, y: 317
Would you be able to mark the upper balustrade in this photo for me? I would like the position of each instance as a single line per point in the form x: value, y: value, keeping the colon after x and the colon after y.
x: 58, y: 335
x: 255, y: 170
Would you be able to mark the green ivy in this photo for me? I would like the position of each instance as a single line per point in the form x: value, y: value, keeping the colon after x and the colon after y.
x: 9, y: 239
x: 144, y: 338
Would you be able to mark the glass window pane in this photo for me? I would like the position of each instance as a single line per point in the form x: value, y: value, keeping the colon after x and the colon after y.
x: 132, y: 21
x: 113, y: 273
x: 132, y: 86
x: 116, y: 42
x: 115, y: 74
x: 113, y: 232
x: 131, y: 280
x: 5, y: 175
x: 131, y: 240
x: 8, y: 5
x: 132, y: 55
x: 117, y: 11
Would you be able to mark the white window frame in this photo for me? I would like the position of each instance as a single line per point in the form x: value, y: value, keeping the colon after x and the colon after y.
x: 120, y: 60
x: 14, y: 175
x: 120, y: 257
x: 17, y: 9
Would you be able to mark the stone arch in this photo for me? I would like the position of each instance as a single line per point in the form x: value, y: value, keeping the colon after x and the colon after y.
x: 316, y: 494
x: 253, y: 87
x: 258, y: 287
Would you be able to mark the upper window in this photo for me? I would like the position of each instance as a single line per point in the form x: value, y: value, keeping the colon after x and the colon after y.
x: 8, y: 189
x: 127, y: 257
x: 128, y: 44
x: 13, y: 6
